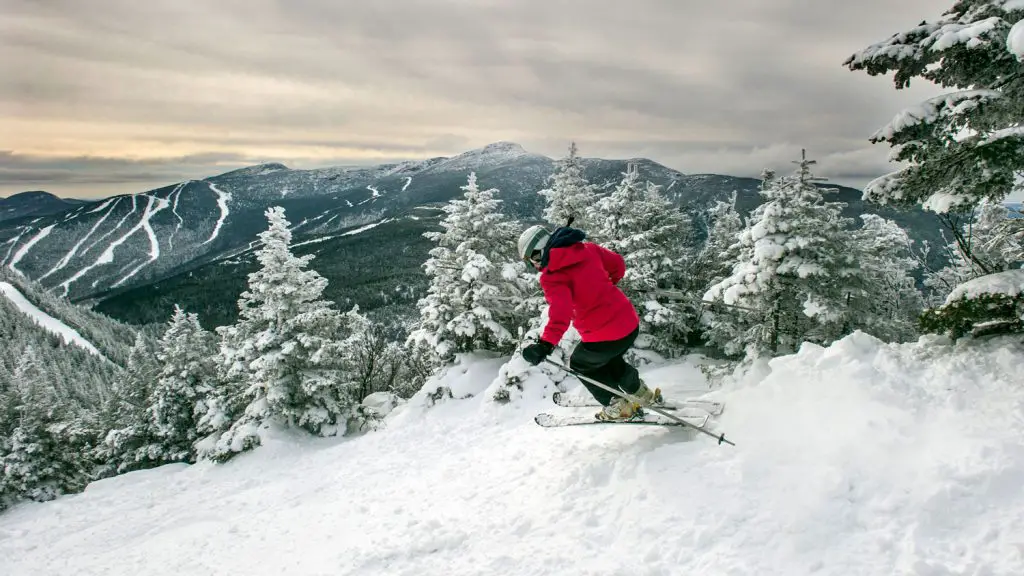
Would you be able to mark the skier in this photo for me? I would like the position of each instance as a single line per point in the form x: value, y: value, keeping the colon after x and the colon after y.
x: 580, y: 282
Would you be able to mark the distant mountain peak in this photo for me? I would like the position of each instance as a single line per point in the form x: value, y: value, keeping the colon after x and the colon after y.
x: 257, y: 170
x: 503, y: 147
x: 32, y: 194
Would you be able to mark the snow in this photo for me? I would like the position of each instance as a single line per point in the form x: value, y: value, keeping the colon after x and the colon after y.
x: 119, y: 223
x: 107, y: 256
x: 28, y: 246
x: 931, y: 110
x: 102, y: 206
x: 154, y: 242
x: 943, y: 201
x: 1015, y: 40
x: 374, y: 190
x: 74, y: 249
x: 174, y: 210
x: 222, y: 202
x: 1011, y: 5
x: 314, y: 241
x: 1004, y: 133
x: 44, y: 320
x: 365, y: 228
x: 859, y: 458
x: 408, y: 180
x: 971, y: 34
x: 1009, y: 283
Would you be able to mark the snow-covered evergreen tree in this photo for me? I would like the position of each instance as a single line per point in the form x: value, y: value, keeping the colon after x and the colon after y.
x: 126, y: 446
x: 282, y: 362
x: 41, y: 461
x: 655, y: 239
x: 475, y: 282
x: 792, y: 262
x: 570, y: 194
x: 185, y: 380
x: 882, y: 296
x: 713, y: 262
x: 990, y: 241
x: 968, y: 144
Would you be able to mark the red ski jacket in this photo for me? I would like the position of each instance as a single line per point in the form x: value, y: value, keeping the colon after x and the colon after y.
x: 580, y: 284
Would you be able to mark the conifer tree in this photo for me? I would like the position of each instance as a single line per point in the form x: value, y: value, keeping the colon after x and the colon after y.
x: 40, y: 463
x: 723, y: 225
x: 475, y: 283
x: 282, y: 361
x: 184, y: 382
x: 990, y: 240
x: 966, y: 145
x: 792, y: 262
x: 655, y: 239
x: 882, y: 297
x: 126, y: 446
x: 570, y: 194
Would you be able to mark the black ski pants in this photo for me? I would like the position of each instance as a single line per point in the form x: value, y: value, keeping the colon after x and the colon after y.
x: 604, y: 362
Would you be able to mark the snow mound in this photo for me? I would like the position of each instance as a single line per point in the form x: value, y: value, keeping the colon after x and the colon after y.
x: 858, y: 458
x: 1009, y: 283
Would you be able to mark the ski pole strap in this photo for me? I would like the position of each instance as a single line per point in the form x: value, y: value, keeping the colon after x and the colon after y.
x: 720, y: 437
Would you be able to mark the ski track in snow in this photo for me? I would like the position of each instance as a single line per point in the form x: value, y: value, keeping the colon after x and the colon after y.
x: 115, y: 228
x: 408, y: 180
x: 43, y: 233
x: 154, y: 242
x: 74, y: 249
x: 858, y: 459
x: 222, y: 202
x: 44, y: 320
x: 174, y: 209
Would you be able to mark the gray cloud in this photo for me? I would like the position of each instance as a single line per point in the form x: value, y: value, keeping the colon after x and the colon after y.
x: 728, y: 87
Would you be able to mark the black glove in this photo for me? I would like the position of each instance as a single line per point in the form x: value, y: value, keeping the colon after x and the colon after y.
x: 536, y: 353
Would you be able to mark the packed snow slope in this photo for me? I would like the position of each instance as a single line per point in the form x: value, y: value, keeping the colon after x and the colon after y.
x: 858, y: 459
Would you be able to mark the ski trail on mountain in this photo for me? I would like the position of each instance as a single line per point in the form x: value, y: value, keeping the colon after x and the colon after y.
x: 13, y: 242
x: 45, y: 321
x: 74, y: 249
x: 103, y: 206
x: 144, y: 224
x: 115, y: 228
x: 174, y: 209
x: 222, y: 202
x: 28, y: 246
x: 107, y: 256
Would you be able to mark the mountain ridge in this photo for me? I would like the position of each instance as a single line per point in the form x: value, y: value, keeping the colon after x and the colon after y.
x: 103, y: 250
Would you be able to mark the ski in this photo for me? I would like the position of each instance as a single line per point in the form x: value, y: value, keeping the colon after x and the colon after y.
x: 548, y: 420
x: 712, y: 407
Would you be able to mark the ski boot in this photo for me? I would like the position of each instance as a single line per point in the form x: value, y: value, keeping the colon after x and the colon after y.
x: 649, y: 397
x: 620, y: 410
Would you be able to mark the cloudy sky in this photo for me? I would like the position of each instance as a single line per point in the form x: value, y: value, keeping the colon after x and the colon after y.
x: 113, y: 96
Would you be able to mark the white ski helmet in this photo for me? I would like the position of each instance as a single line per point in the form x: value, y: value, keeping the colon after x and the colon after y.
x: 531, y: 240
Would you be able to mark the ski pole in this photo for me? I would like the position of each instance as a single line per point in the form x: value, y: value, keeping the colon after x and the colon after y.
x: 631, y: 398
